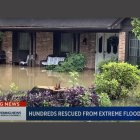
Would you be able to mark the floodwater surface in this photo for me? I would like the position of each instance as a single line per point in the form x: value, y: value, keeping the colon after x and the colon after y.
x: 28, y: 77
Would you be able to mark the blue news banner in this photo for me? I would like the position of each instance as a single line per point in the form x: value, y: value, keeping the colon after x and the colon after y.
x: 83, y: 113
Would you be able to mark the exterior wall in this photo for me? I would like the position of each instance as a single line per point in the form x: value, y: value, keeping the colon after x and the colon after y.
x: 44, y: 45
x: 88, y: 50
x: 7, y: 46
x: 122, y: 44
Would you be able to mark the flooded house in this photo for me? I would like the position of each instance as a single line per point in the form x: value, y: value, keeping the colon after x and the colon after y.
x: 97, y: 39
x: 92, y: 37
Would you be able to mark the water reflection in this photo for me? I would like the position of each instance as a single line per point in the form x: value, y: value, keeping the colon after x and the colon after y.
x: 28, y: 77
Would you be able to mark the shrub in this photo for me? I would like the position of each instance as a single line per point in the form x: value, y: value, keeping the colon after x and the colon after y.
x: 100, y: 65
x: 1, y: 36
x: 79, y: 96
x: 50, y: 67
x: 74, y: 97
x: 117, y: 79
x: 104, y: 100
x: 13, y: 88
x: 74, y: 78
x: 73, y: 62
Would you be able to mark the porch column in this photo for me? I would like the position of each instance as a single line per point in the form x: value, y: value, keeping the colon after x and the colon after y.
x: 122, y: 45
x: 88, y: 49
x: 7, y: 46
x: 34, y: 49
x: 30, y: 53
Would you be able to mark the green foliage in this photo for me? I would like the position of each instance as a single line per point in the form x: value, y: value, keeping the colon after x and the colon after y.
x: 100, y: 65
x: 136, y: 27
x: 104, y: 100
x: 1, y: 92
x: 1, y: 36
x: 73, y: 62
x: 117, y: 79
x: 86, y: 99
x: 46, y: 104
x: 137, y: 95
x: 50, y: 67
x: 13, y: 88
x: 74, y: 78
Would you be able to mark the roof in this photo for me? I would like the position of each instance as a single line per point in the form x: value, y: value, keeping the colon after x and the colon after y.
x: 95, y: 23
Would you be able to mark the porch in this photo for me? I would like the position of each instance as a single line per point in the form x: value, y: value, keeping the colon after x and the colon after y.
x: 41, y: 38
x: 93, y: 45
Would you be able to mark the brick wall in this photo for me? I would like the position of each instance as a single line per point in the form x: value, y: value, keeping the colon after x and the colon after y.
x: 88, y: 50
x: 122, y: 44
x: 44, y: 45
x: 7, y: 46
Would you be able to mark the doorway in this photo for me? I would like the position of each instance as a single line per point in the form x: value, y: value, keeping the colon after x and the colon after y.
x: 106, y: 47
x: 23, y: 45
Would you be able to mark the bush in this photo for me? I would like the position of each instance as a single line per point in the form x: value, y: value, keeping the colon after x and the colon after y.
x: 1, y: 36
x: 13, y: 88
x: 79, y: 96
x: 50, y: 67
x: 73, y: 62
x: 117, y: 79
x: 100, y: 65
x: 72, y: 97
x: 74, y: 78
x: 104, y: 100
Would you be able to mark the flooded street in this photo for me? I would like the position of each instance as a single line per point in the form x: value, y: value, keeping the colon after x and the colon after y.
x: 28, y: 77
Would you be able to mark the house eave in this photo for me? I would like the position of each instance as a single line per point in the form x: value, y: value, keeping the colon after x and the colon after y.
x: 61, y: 24
x: 26, y: 28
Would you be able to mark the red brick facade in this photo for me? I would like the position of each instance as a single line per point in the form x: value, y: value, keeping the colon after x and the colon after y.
x: 122, y: 44
x: 7, y: 46
x: 44, y: 45
x: 89, y: 49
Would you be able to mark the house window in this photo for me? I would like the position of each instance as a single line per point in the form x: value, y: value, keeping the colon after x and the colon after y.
x: 67, y: 43
x: 108, y: 46
x: 115, y: 49
x: 24, y: 41
x: 133, y: 50
x: 100, y: 44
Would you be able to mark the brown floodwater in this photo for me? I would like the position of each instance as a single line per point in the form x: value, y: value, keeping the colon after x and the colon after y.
x: 28, y: 77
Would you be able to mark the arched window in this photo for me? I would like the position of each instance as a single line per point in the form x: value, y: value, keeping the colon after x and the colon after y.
x: 100, y: 44
x: 115, y: 49
x: 108, y: 46
x: 113, y: 41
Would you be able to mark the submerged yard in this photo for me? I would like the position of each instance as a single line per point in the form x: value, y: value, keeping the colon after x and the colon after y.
x: 28, y: 77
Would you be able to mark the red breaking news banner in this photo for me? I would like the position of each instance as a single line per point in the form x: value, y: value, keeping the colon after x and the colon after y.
x: 13, y: 104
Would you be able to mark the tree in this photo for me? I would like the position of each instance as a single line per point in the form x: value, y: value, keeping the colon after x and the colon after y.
x: 136, y: 27
x: 1, y: 35
x: 1, y: 38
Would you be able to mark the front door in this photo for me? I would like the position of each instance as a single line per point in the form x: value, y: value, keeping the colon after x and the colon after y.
x: 105, y: 47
